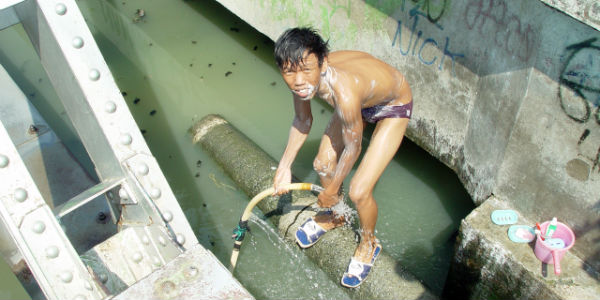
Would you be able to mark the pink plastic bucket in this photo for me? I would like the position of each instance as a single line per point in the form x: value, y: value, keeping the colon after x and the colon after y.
x: 553, y: 256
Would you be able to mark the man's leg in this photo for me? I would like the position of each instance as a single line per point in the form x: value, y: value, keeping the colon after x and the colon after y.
x: 384, y: 143
x: 325, y: 164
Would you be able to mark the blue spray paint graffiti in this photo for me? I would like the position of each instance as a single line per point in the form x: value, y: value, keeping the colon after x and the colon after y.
x: 414, y: 14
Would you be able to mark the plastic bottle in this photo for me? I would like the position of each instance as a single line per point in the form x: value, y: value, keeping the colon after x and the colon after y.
x: 551, y: 228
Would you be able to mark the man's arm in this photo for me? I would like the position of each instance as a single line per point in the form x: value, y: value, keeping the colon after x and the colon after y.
x: 298, y: 134
x: 352, y: 129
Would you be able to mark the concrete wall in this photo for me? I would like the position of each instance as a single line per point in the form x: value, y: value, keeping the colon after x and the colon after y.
x: 585, y: 11
x: 506, y: 93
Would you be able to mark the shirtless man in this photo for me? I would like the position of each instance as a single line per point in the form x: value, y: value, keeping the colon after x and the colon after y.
x: 360, y: 88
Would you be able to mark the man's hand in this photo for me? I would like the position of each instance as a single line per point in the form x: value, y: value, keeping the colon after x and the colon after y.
x: 282, y: 177
x: 327, y: 199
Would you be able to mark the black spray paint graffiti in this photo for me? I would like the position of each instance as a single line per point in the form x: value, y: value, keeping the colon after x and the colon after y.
x: 414, y: 14
x: 579, y: 89
x: 432, y: 9
x: 578, y: 76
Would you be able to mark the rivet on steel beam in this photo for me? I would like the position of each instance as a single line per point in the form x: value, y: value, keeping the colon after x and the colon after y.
x: 103, y: 277
x: 191, y: 272
x: 110, y: 107
x: 80, y: 297
x: 3, y: 161
x: 52, y: 252
x: 60, y: 9
x: 142, y: 169
x: 123, y: 194
x: 156, y: 261
x: 125, y: 139
x: 180, y: 238
x: 145, y: 240
x: 20, y: 194
x: 77, y: 42
x: 94, y: 74
x: 168, y: 289
x: 137, y: 257
x: 162, y: 241
x: 88, y: 286
x: 66, y: 276
x: 155, y: 193
x: 38, y: 227
x: 167, y: 216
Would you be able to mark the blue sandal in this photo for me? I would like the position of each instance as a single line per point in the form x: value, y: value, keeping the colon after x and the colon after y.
x: 358, y: 271
x: 309, y: 233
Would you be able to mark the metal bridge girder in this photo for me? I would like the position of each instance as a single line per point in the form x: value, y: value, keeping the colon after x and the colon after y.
x: 98, y: 111
x: 93, y: 102
x: 39, y: 237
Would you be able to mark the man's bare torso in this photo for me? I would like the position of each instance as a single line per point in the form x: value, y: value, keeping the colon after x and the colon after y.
x: 354, y: 76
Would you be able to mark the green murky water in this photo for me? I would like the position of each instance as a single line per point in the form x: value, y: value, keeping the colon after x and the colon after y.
x: 186, y: 59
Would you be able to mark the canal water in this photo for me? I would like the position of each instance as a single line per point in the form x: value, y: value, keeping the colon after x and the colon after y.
x: 185, y: 59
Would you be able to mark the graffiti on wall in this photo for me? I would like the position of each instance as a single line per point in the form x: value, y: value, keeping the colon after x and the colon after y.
x: 333, y: 7
x: 433, y: 10
x: 417, y: 46
x: 579, y: 91
x: 491, y: 18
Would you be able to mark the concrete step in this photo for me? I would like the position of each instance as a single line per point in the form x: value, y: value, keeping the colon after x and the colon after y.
x: 488, y: 265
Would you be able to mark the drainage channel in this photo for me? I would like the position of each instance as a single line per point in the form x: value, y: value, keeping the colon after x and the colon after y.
x: 174, y: 73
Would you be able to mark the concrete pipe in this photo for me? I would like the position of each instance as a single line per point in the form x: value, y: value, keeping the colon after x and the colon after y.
x: 253, y: 170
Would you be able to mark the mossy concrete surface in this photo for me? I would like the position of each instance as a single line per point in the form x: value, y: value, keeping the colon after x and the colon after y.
x: 252, y: 170
x: 488, y: 265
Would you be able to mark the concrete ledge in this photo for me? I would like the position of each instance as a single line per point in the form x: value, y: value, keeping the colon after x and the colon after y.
x: 253, y: 171
x: 488, y: 265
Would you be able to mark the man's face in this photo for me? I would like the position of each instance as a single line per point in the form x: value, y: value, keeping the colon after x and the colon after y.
x: 303, y: 79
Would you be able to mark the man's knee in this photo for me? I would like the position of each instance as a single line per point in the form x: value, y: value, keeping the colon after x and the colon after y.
x: 324, y: 163
x: 359, y: 194
x: 323, y: 168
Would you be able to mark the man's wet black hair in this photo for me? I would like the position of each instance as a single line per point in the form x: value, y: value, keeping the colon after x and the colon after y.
x: 290, y: 46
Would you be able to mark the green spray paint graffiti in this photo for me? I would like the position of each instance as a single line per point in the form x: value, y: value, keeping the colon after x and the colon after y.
x: 317, y: 15
x: 329, y: 10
